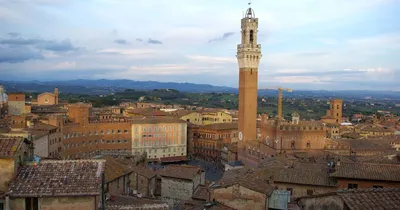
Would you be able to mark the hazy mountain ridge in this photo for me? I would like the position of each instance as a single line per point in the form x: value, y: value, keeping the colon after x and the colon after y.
x: 104, y: 86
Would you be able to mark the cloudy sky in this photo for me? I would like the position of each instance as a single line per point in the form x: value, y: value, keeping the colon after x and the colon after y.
x: 306, y: 44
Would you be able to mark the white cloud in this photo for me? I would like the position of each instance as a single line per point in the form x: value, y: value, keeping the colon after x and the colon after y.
x: 211, y: 59
x: 65, y: 65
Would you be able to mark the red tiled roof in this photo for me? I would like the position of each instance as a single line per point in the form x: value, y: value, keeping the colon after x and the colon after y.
x: 9, y: 145
x: 201, y: 193
x: 248, y: 178
x: 368, y: 171
x: 146, y: 172
x: 358, y: 199
x: 361, y: 199
x: 173, y: 159
x: 221, y: 126
x: 134, y: 203
x: 52, y: 178
x: 300, y: 176
x: 180, y: 171
x: 157, y: 120
x: 114, y: 168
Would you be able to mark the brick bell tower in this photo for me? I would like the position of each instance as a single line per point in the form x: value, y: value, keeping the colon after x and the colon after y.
x: 248, y: 55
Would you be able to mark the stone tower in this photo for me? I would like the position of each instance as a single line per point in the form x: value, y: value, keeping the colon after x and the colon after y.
x: 248, y: 55
x: 336, y: 110
x: 295, y: 118
x: 56, y: 95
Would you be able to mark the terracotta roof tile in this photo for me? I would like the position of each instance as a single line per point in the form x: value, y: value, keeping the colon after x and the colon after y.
x: 201, y: 193
x: 371, y: 199
x: 43, y: 126
x: 134, y: 203
x: 114, y: 168
x: 156, y: 120
x: 221, y: 126
x: 146, y: 172
x: 173, y: 159
x: 361, y: 199
x: 248, y: 178
x: 147, y: 112
x: 300, y: 176
x: 10, y: 145
x: 368, y: 171
x: 180, y: 171
x: 58, y: 178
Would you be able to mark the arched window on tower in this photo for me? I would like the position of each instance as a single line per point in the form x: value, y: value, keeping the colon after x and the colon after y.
x: 251, y: 36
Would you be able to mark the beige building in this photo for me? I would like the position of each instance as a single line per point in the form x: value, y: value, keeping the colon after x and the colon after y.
x: 204, y: 118
x: 334, y: 114
x: 162, y: 139
x: 48, y: 98
x: 16, y: 103
x: 332, y: 131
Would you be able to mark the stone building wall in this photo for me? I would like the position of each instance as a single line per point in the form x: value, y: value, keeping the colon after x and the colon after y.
x: 59, y: 203
x: 7, y: 168
x: 301, y: 190
x: 16, y: 103
x: 343, y: 183
x: 41, y: 146
x: 175, y: 190
x: 333, y: 202
x: 239, y: 197
x: 46, y: 99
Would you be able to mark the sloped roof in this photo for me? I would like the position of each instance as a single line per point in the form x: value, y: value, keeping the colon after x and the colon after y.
x: 300, y: 176
x: 114, y: 168
x: 58, y: 178
x: 221, y: 126
x: 248, y: 178
x: 368, y: 171
x: 10, y: 145
x: 156, y: 120
x: 201, y: 193
x: 362, y: 199
x: 134, y: 203
x: 180, y: 171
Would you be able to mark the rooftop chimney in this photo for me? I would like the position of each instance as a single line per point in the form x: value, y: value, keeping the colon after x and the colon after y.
x: 271, y: 179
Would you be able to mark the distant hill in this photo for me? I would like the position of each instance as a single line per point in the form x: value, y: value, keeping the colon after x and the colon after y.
x: 104, y: 86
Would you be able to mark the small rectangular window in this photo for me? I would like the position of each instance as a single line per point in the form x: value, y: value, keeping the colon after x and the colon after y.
x: 352, y: 186
x: 310, y: 192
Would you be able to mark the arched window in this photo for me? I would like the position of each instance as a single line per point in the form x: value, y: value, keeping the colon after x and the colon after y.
x: 251, y: 36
